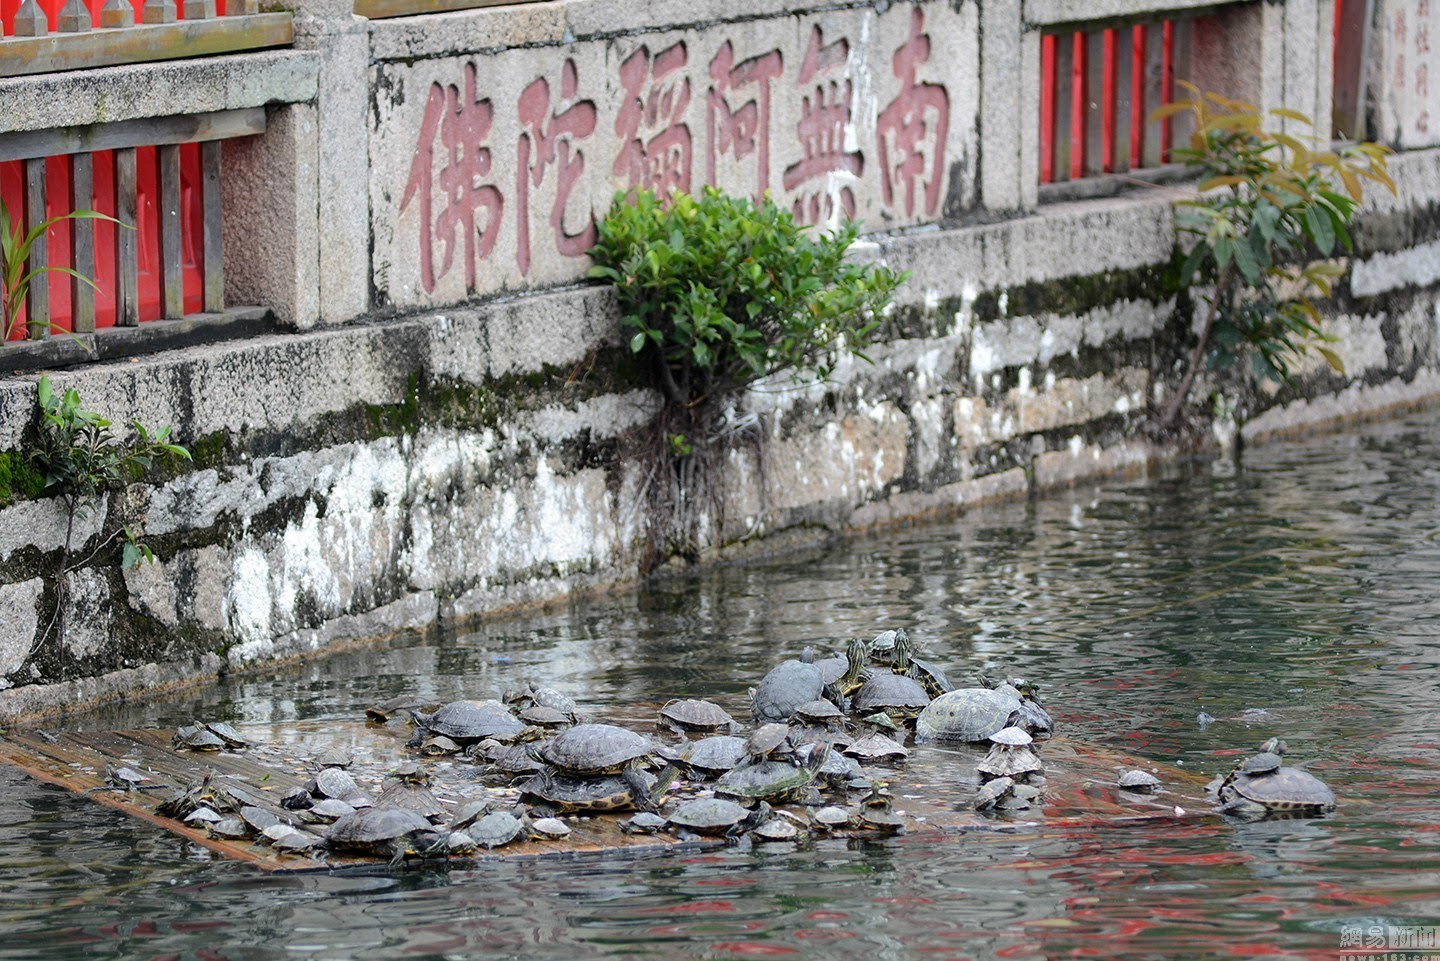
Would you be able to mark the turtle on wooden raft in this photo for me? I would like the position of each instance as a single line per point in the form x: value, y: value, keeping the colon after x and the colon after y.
x: 711, y: 756
x: 466, y: 722
x: 717, y: 816
x: 626, y: 791
x: 771, y: 779
x: 378, y: 831
x: 972, y: 714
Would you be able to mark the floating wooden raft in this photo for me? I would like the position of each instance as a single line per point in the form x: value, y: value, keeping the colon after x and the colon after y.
x: 930, y: 790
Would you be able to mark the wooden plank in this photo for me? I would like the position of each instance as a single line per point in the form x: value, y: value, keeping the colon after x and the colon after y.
x: 1124, y: 96
x: 1347, y: 115
x: 1064, y: 103
x: 127, y: 252
x: 189, y: 128
x: 1182, y: 125
x: 146, y: 43
x: 37, y: 300
x: 1153, y: 142
x: 82, y: 244
x: 172, y: 265
x: 1094, y: 103
x: 214, y: 242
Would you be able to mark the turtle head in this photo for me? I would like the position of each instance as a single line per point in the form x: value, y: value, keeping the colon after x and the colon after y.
x: 819, y: 754
x: 1274, y: 746
x: 903, y: 650
x: 807, y: 656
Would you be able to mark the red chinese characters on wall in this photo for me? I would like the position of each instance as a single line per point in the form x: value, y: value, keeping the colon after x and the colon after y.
x: 462, y: 123
x: 737, y: 111
x: 549, y: 139
x: 825, y: 118
x: 656, y: 151
x: 910, y: 133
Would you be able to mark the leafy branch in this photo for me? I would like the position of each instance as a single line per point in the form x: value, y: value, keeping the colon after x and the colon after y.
x: 15, y: 280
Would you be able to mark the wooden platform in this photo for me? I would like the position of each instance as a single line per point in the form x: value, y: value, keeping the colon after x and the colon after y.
x: 932, y: 790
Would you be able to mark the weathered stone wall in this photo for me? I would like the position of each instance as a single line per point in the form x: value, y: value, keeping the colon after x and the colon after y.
x: 460, y: 438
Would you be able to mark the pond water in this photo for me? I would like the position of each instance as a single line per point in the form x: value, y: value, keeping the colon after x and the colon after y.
x: 1295, y: 595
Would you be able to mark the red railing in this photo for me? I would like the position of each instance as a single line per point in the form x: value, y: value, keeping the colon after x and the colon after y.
x: 147, y: 232
x: 1096, y: 92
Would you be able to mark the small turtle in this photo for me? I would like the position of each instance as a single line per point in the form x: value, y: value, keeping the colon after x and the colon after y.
x: 258, y: 818
x: 382, y: 712
x: 495, y: 829
x: 876, y: 747
x: 530, y: 695
x: 197, y: 737
x: 1287, y: 791
x: 992, y: 792
x: 1019, y: 798
x: 776, y: 829
x: 595, y: 749
x: 1137, y: 781
x: 882, y: 646
x: 232, y: 738
x: 1032, y: 715
x: 297, y: 842
x: 832, y: 818
x: 551, y: 829
x: 411, y: 796
x: 470, y: 812
x: 819, y: 711
x: 968, y: 714
x: 411, y: 772
x: 333, y: 758
x: 376, y: 831
x: 1010, y: 755
x: 278, y: 830
x: 882, y: 820
x: 542, y: 716
x: 712, y: 756
x: 837, y: 770
x: 439, y: 746
x: 296, y: 799
x: 715, y: 816
x: 231, y: 829
x: 788, y: 685
x: 696, y: 716
x: 840, y: 689
x: 769, y: 740
x: 511, y: 759
x: 466, y: 722
x: 203, y: 815
x: 927, y: 675
x: 332, y: 809
x: 1274, y: 745
x: 333, y: 782
x: 895, y: 694
x: 646, y: 822
x: 125, y: 779
x: 880, y: 721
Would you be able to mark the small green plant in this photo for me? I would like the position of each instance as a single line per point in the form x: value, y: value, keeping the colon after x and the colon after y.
x: 15, y: 246
x: 82, y: 461
x: 1266, y: 205
x: 716, y: 294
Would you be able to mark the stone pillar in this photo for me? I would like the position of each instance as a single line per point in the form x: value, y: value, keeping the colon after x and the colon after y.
x: 1403, y: 89
x: 1008, y: 124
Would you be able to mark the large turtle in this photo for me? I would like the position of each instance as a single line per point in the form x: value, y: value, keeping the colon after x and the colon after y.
x: 466, y: 722
x: 788, y: 685
x: 595, y: 749
x: 377, y: 831
x: 773, y: 779
x: 895, y: 694
x: 1285, y: 791
x: 715, y: 815
x: 608, y: 792
x: 969, y: 714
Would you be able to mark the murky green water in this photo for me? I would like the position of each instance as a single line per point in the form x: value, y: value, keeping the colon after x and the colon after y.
x: 1295, y: 596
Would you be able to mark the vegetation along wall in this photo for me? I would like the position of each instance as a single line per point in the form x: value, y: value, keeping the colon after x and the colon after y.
x: 435, y: 416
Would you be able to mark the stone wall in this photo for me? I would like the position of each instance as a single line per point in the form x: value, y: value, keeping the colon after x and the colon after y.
x: 447, y: 429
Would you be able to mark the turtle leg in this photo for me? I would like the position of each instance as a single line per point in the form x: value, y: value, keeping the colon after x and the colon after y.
x: 638, y: 788
x: 397, y: 851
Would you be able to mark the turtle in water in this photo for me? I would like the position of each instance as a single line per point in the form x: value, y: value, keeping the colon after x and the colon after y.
x: 1033, y: 717
x: 377, y: 831
x: 711, y: 756
x: 839, y: 689
x: 692, y: 716
x: 927, y: 675
x: 1010, y: 756
x: 968, y: 714
x: 1137, y: 781
x: 626, y: 791
x: 466, y: 722
x: 788, y: 685
x: 773, y: 780
x: 882, y: 646
x: 716, y: 816
x: 894, y: 694
x: 1286, y: 791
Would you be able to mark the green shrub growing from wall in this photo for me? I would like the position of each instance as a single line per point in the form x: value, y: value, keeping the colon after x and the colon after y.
x: 1267, y: 205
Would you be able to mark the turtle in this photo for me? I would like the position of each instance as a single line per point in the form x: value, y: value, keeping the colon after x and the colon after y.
x: 1137, y: 781
x: 776, y: 829
x: 646, y: 822
x: 466, y: 722
x: 439, y: 746
x: 820, y: 712
x: 832, y: 817
x: 382, y: 712
x: 837, y: 770
x: 376, y: 831
x: 713, y: 755
x: 333, y: 782
x: 840, y: 689
x: 230, y: 829
x: 895, y: 694
x: 700, y: 717
x: 551, y: 829
x: 125, y: 779
x: 876, y: 747
x: 833, y: 668
x: 296, y: 799
x: 411, y: 772
x: 771, y: 779
x: 541, y: 716
x: 548, y: 697
x: 992, y: 792
x: 203, y: 815
x: 716, y: 816
x: 769, y: 740
x: 197, y: 737
x: 927, y: 675
x: 1019, y: 797
x: 233, y: 739
x: 279, y: 830
x: 297, y: 842
x: 511, y: 759
x: 968, y: 714
x: 1285, y: 791
x: 788, y: 685
x: 471, y: 811
x: 880, y: 721
x: 595, y: 749
x: 1033, y: 716
x: 611, y: 792
x: 332, y: 758
x: 1275, y: 745
x: 332, y: 809
x: 882, y: 646
x: 495, y: 829
x: 1010, y: 755
x: 257, y: 818
x: 881, y: 819
x: 411, y: 796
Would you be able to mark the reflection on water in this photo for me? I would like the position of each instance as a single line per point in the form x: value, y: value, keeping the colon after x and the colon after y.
x: 1295, y: 596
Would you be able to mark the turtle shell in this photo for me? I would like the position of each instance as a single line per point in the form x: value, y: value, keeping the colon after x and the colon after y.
x: 767, y: 739
x: 226, y: 733
x: 713, y: 754
x: 438, y: 746
x: 1288, y: 789
x: 545, y: 716
x: 930, y: 677
x: 230, y: 828
x: 764, y: 779
x: 697, y: 715
x: 886, y: 691
x: 833, y: 668
x: 882, y: 645
x: 819, y: 710
x: 494, y: 830
x: 550, y: 828
x: 374, y: 826
x: 788, y: 685
x: 777, y: 829
x: 969, y: 714
x: 832, y: 816
x: 1138, y: 781
x: 1265, y: 762
x: 412, y: 797
x: 709, y: 815
x: 467, y: 721
x: 1011, y: 737
x: 550, y: 698
x: 258, y: 818
x: 332, y: 809
x: 335, y: 783
x: 992, y: 791
x: 595, y: 749
x: 608, y: 792
x: 646, y: 822
x: 876, y: 747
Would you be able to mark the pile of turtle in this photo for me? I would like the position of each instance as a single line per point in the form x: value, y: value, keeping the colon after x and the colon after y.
x: 824, y: 738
